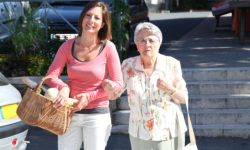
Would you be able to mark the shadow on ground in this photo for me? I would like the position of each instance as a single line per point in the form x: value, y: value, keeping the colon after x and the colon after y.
x: 44, y: 140
x: 172, y: 30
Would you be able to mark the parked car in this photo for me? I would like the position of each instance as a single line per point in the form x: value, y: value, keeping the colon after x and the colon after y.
x: 9, y: 13
x: 13, y: 131
x: 71, y: 11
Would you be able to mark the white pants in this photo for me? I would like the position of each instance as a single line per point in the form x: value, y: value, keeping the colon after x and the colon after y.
x: 92, y: 129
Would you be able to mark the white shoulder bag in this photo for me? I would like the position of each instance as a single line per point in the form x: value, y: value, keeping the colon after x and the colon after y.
x: 192, y: 145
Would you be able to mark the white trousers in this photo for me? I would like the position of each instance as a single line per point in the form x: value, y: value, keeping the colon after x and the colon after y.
x: 92, y: 129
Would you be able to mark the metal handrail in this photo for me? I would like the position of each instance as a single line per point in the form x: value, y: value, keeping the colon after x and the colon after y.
x: 46, y: 4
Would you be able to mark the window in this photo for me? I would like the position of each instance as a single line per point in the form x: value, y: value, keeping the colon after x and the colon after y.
x: 3, y: 80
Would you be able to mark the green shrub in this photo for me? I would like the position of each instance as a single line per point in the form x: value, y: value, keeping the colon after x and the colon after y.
x: 27, y: 51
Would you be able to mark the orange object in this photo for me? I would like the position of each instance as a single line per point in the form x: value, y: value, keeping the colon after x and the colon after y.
x: 236, y: 20
x: 221, y: 3
x: 216, y: 4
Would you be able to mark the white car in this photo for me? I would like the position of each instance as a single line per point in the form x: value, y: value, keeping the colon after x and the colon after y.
x: 13, y: 130
x: 10, y: 12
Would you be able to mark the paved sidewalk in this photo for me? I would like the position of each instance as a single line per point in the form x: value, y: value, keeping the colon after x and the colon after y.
x: 201, y: 48
x: 41, y: 139
x: 175, y: 25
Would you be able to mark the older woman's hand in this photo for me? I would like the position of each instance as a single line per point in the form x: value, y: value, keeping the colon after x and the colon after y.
x: 108, y: 85
x: 165, y: 86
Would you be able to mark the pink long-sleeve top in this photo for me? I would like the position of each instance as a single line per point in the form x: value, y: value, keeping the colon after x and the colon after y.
x: 87, y: 77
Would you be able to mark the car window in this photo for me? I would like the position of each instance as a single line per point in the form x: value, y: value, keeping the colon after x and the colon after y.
x: 141, y: 8
x: 133, y: 10
x: 3, y: 80
x: 9, y: 12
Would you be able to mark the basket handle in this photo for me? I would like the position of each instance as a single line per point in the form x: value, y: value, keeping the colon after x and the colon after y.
x: 38, y: 86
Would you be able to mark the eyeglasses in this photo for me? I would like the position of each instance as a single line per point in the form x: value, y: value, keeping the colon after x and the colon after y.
x: 151, y: 41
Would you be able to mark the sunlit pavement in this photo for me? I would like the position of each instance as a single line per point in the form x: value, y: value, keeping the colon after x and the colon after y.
x: 44, y: 140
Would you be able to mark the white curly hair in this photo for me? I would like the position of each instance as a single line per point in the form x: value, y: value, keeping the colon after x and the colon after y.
x: 149, y: 27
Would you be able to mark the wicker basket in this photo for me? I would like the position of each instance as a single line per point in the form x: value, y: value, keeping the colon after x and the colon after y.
x: 37, y: 110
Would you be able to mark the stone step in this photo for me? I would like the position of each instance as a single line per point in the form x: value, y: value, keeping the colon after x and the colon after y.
x: 218, y: 87
x: 216, y: 74
x: 122, y: 103
x: 205, y: 130
x: 225, y: 75
x: 233, y: 101
x: 200, y: 117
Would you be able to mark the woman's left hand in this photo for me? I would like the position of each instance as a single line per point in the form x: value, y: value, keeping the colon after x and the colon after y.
x: 82, y: 103
x: 165, y: 86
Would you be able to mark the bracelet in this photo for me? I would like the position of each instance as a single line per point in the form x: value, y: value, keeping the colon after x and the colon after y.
x: 173, y: 93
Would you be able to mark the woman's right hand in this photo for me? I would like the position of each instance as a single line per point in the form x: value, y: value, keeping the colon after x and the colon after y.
x: 83, y: 102
x: 108, y: 85
x: 61, y: 98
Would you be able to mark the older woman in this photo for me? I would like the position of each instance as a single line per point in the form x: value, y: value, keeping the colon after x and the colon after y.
x: 155, y: 89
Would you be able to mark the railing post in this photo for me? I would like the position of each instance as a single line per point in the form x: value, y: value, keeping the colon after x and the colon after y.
x: 46, y: 21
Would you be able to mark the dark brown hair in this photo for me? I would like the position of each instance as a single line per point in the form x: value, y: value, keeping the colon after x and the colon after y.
x: 105, y: 31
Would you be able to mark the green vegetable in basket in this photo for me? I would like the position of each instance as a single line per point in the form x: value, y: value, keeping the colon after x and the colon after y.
x: 41, y: 92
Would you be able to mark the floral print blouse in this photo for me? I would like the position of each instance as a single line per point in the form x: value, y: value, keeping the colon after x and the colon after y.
x: 153, y: 114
